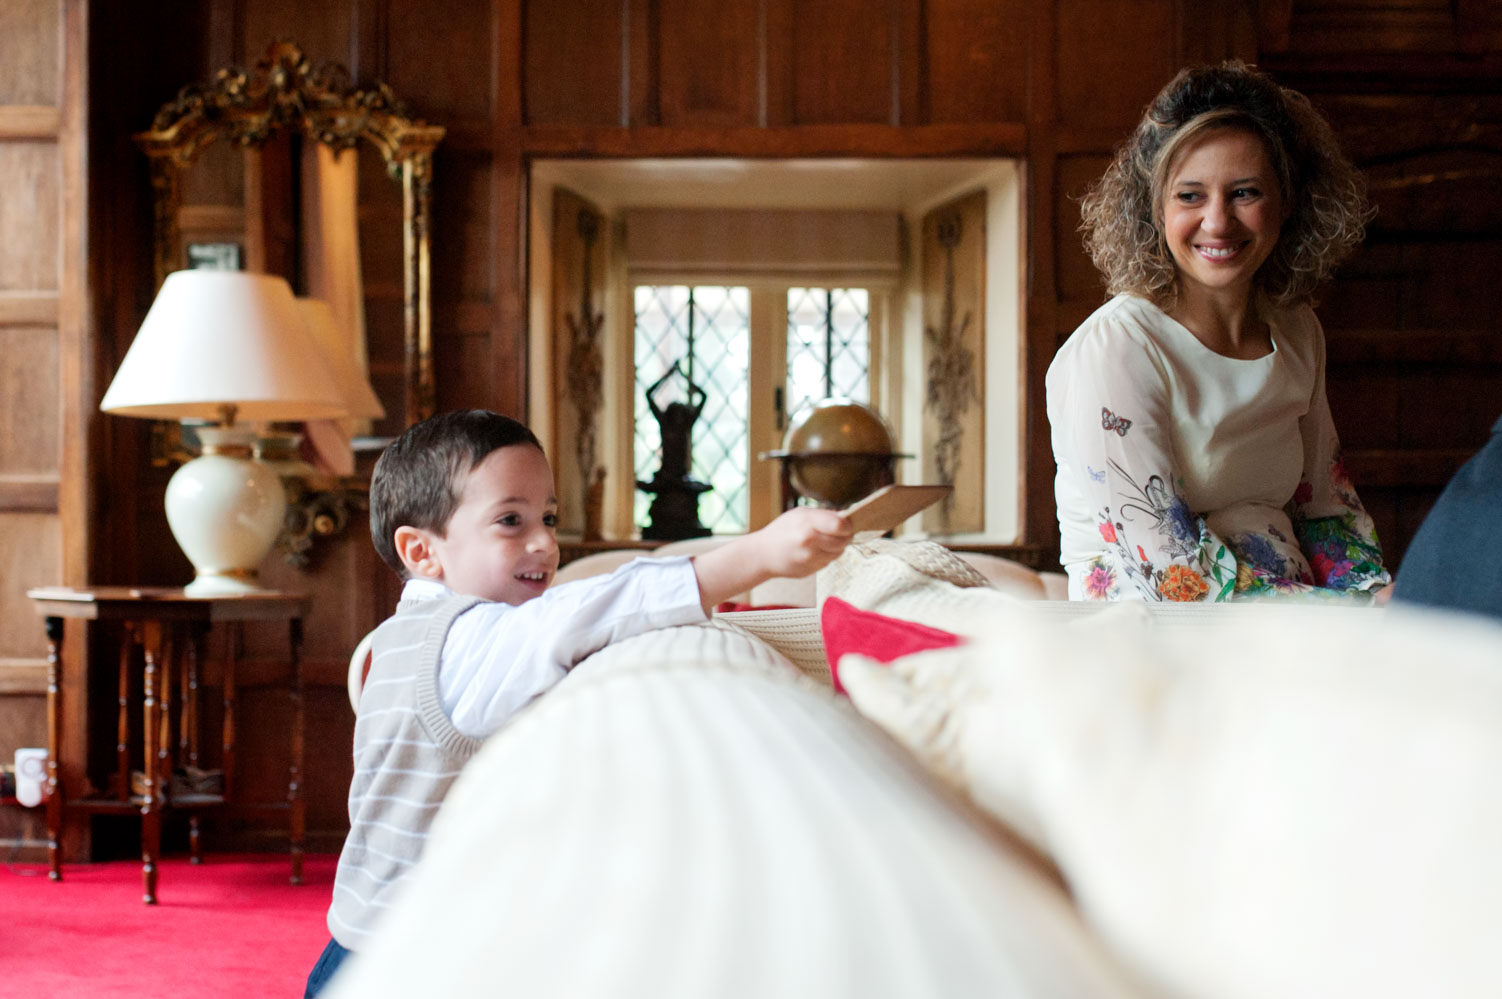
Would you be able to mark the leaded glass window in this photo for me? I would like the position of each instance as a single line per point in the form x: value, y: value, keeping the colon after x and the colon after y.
x: 828, y: 346
x: 707, y: 330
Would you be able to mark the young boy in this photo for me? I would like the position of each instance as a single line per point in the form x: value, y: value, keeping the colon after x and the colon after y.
x: 462, y: 507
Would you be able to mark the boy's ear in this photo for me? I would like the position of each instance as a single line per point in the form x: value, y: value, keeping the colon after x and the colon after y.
x: 415, y: 548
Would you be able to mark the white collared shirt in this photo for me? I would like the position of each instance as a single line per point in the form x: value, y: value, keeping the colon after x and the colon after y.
x: 498, y: 657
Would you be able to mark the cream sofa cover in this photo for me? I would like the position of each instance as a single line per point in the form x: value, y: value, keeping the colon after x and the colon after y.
x: 686, y: 815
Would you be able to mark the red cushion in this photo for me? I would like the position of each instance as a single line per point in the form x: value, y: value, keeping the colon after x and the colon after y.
x: 736, y: 607
x: 847, y: 628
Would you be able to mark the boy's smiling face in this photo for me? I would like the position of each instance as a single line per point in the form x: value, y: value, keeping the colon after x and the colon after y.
x: 501, y: 542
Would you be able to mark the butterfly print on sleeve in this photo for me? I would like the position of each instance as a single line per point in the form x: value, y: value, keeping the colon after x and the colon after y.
x: 1110, y: 421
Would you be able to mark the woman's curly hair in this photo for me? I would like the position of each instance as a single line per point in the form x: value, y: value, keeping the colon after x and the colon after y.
x: 1323, y: 193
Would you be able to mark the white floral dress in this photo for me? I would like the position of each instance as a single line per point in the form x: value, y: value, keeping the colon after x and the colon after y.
x: 1187, y: 475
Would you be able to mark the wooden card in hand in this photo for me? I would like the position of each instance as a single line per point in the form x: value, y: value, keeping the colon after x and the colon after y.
x: 891, y: 505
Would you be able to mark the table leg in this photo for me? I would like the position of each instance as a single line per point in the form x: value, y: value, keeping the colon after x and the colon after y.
x: 122, y: 712
x: 151, y: 815
x: 166, y: 703
x: 187, y: 735
x: 227, y: 745
x: 54, y: 788
x: 294, y: 780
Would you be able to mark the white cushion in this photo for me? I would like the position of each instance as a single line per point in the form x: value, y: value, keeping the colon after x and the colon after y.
x: 1247, y: 801
x: 659, y: 826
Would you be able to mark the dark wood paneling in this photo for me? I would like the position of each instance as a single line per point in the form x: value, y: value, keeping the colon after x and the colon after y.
x: 876, y: 141
x: 709, y: 69
x: 1114, y: 55
x: 1078, y: 280
x: 975, y: 60
x: 571, y: 55
x: 464, y: 47
x: 1410, y: 27
x: 1414, y: 376
x: 323, y: 28
x: 839, y: 61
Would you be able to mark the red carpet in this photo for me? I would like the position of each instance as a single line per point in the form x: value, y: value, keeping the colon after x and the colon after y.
x: 231, y: 926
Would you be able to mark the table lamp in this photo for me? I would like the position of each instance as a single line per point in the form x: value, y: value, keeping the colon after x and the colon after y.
x: 222, y: 346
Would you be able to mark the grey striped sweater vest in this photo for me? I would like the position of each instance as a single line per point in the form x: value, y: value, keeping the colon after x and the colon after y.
x: 407, y: 755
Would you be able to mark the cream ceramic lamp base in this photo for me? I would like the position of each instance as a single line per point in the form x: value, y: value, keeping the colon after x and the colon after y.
x: 225, y: 511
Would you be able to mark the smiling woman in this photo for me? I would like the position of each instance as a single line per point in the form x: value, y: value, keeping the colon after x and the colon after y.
x: 1196, y: 455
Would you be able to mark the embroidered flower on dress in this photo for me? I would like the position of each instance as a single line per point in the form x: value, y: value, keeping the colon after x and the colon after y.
x: 1261, y: 553
x: 1181, y: 521
x: 1182, y: 584
x: 1108, y: 532
x: 1245, y: 577
x: 1100, y: 582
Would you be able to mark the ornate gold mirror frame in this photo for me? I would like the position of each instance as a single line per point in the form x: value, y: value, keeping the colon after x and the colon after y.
x: 287, y: 94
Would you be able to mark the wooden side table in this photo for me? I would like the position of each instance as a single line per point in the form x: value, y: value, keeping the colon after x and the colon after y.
x: 169, y: 626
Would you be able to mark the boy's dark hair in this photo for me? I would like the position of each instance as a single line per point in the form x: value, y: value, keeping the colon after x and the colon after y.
x: 420, y: 476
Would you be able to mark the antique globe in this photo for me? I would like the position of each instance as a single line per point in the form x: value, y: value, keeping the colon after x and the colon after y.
x: 838, y: 452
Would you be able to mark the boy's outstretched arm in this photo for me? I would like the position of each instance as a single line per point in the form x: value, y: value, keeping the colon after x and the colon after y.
x: 801, y: 541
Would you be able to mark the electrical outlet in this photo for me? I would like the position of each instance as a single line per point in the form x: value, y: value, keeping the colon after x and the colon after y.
x: 31, y: 774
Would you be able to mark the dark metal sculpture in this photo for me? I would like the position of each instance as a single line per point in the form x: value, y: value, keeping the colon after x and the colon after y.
x: 674, y: 511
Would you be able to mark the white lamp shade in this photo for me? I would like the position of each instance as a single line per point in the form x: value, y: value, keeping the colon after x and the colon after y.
x: 217, y: 338
x: 360, y: 400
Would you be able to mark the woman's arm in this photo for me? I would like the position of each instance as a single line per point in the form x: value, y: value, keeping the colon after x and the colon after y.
x: 1332, y: 527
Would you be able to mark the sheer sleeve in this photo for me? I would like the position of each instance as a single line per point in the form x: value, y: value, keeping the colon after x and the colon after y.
x: 1333, y: 529
x: 1119, y: 432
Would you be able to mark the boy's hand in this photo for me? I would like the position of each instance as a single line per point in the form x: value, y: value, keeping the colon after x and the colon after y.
x: 801, y: 541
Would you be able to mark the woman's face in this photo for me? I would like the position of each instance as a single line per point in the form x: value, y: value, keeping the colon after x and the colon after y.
x: 1222, y: 212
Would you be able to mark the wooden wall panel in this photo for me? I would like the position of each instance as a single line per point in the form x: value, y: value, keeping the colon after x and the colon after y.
x: 30, y: 551
x: 708, y: 64
x: 1078, y: 282
x: 1408, y: 27
x: 29, y: 390
x: 463, y: 45
x: 30, y: 215
x: 466, y: 234
x: 837, y: 75
x: 29, y: 32
x: 1415, y: 369
x: 571, y: 62
x: 323, y: 28
x: 975, y: 60
x: 1113, y: 55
